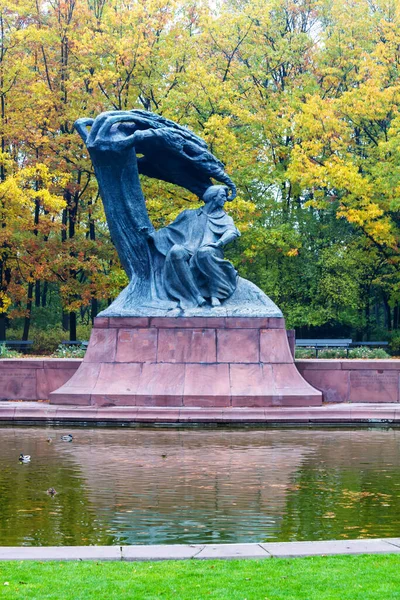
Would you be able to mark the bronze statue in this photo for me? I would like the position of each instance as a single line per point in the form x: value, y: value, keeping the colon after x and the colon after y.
x: 181, y: 267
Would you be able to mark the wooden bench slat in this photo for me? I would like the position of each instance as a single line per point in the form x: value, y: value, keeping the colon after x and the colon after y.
x: 318, y: 344
x: 355, y: 344
x: 323, y: 343
x: 16, y: 343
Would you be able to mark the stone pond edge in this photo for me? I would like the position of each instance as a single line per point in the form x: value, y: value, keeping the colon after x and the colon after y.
x: 203, y: 551
x: 31, y: 413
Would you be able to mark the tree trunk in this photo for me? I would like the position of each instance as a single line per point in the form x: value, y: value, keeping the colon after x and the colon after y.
x: 388, y: 313
x: 396, y: 316
x: 37, y: 293
x: 2, y: 327
x: 367, y: 320
x: 72, y: 326
x: 44, y: 294
x: 94, y: 309
x: 5, y: 278
x: 27, y: 320
x: 65, y: 321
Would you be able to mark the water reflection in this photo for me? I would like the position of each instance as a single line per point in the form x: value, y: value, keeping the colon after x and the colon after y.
x: 184, y: 486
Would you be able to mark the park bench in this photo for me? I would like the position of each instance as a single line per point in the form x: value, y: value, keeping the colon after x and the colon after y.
x: 17, y: 345
x: 370, y: 344
x: 82, y: 343
x: 318, y: 344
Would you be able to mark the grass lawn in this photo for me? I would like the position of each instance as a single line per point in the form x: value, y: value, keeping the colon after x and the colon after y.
x: 322, y: 578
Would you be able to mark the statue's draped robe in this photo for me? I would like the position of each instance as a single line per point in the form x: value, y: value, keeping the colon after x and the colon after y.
x: 192, y: 268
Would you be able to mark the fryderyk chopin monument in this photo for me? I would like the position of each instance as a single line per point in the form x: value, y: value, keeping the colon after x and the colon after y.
x: 187, y: 331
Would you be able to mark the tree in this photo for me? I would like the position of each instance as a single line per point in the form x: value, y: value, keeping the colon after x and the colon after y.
x: 299, y: 98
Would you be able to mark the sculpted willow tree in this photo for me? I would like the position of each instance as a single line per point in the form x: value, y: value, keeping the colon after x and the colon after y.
x: 181, y: 266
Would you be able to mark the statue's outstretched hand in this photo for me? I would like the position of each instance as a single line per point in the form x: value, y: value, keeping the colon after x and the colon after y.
x: 81, y: 126
x: 146, y: 231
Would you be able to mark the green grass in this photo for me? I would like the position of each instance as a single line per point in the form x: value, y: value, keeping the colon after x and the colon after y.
x: 323, y: 578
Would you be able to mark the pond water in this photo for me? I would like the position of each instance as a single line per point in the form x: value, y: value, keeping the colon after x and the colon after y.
x: 154, y: 486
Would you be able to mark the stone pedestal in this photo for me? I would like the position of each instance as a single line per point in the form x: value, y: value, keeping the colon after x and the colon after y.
x: 191, y: 362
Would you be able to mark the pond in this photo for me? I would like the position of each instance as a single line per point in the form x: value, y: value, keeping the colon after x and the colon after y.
x: 157, y: 486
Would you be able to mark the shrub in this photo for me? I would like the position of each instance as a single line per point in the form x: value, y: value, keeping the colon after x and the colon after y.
x: 46, y: 341
x: 83, y: 332
x: 305, y: 353
x: 7, y: 353
x: 365, y: 352
x: 394, y: 344
x: 64, y: 351
x: 361, y: 352
x: 332, y: 353
x: 322, y: 353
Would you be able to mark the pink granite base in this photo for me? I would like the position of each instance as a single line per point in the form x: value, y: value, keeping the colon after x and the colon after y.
x: 188, y: 362
x: 33, y: 379
x: 350, y: 380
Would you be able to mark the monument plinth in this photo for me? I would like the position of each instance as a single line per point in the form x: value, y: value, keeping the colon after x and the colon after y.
x: 188, y: 362
x: 187, y: 330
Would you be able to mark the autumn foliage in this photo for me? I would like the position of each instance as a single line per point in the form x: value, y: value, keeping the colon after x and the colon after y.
x: 299, y: 98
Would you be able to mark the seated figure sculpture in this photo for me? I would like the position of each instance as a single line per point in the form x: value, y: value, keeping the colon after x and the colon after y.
x: 194, y: 266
